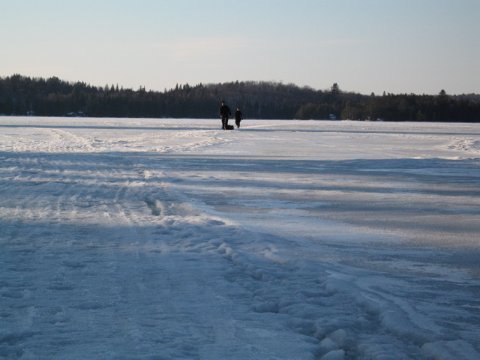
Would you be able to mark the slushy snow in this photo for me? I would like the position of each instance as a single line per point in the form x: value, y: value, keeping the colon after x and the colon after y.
x: 173, y: 239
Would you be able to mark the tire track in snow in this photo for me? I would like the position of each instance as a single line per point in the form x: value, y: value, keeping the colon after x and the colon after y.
x: 253, y: 261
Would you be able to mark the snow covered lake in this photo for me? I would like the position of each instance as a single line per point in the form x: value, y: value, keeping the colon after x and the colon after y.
x: 173, y: 239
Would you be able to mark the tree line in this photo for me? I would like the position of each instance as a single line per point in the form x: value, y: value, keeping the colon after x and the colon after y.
x: 20, y: 95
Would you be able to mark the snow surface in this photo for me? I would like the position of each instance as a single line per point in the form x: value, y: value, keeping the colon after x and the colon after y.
x: 172, y: 239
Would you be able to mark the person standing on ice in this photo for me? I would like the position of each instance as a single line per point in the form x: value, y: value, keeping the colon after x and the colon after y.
x: 224, y: 113
x: 238, y: 117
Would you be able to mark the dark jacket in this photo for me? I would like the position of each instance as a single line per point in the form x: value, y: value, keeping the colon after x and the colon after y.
x: 225, y: 111
x: 238, y: 115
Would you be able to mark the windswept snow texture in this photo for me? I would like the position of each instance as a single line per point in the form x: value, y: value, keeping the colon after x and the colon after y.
x: 172, y: 239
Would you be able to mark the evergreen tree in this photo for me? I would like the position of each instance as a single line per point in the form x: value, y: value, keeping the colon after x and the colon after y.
x: 335, y: 89
x: 264, y: 100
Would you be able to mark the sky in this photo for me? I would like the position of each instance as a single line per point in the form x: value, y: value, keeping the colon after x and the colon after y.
x: 407, y: 46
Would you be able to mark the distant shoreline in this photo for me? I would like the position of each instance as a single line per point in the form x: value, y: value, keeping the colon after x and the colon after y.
x: 25, y: 96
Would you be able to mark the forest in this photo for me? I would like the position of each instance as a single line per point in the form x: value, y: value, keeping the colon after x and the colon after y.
x: 22, y: 95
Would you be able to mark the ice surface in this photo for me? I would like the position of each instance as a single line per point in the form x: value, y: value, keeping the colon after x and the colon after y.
x: 172, y: 239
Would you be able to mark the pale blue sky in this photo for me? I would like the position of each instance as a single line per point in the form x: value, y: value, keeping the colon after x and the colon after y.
x: 419, y: 46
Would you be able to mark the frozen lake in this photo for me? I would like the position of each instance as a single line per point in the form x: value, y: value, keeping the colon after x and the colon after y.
x: 173, y: 239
